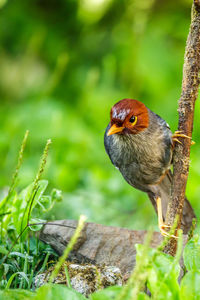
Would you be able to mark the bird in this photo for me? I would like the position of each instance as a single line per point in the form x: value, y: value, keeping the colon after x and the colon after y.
x: 140, y: 145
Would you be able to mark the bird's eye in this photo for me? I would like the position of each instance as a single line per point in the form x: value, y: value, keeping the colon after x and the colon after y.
x: 132, y: 119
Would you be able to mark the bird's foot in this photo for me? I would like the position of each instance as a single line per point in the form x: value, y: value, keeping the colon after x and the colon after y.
x: 178, y: 134
x: 161, y: 224
x: 162, y: 227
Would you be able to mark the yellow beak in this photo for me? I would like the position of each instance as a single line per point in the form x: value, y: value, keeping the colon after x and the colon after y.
x: 114, y: 129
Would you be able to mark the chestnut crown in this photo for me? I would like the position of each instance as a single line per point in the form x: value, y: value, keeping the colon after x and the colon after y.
x: 128, y: 116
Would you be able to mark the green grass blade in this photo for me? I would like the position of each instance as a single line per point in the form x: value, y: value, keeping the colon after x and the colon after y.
x: 69, y: 248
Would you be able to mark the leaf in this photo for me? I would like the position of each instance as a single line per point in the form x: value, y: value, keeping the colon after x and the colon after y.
x: 3, y: 250
x: 45, y: 203
x: 4, y: 268
x: 107, y: 294
x: 161, y: 262
x: 56, y: 195
x: 19, y: 254
x: 191, y: 254
x: 38, y: 226
x: 190, y: 287
x: 20, y: 204
x: 163, y: 271
x: 42, y: 187
x: 5, y: 201
x: 22, y: 274
x: 57, y: 291
x: 16, y: 294
x: 7, y: 217
x: 143, y: 296
x: 161, y: 290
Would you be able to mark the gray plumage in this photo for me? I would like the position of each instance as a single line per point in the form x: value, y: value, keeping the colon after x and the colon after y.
x: 143, y: 159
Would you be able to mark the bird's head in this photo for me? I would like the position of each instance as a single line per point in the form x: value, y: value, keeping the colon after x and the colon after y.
x: 128, y: 116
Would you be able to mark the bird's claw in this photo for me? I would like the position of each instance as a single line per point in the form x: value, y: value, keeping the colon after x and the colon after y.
x: 166, y: 233
x: 178, y: 134
x: 176, y: 140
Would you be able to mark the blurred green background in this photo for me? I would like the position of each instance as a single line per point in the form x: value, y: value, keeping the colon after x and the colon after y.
x: 63, y: 64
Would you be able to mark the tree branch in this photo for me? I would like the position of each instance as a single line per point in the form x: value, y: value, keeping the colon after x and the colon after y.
x: 186, y: 104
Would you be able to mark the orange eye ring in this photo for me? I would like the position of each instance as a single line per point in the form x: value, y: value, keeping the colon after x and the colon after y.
x: 133, y: 120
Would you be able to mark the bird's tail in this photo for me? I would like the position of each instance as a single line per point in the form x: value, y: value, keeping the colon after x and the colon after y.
x: 164, y: 189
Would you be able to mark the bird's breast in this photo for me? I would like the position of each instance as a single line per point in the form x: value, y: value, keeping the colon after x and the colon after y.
x: 140, y: 157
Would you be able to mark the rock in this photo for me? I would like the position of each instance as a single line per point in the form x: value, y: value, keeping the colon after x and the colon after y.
x: 39, y: 280
x: 98, y: 245
x: 85, y: 279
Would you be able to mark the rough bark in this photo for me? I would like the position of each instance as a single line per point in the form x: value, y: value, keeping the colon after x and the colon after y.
x: 189, y: 94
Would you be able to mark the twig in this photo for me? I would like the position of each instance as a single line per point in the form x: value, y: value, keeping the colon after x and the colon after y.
x: 189, y: 94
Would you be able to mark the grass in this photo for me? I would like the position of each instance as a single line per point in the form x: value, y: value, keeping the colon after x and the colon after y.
x: 23, y: 256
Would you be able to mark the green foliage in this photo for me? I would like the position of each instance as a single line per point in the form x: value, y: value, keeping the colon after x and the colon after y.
x: 191, y: 253
x: 162, y: 276
x: 159, y: 274
x: 107, y: 294
x: 22, y: 256
x: 190, y: 288
x: 26, y: 256
x: 51, y: 292
x: 16, y: 295
x: 64, y: 64
x: 21, y: 218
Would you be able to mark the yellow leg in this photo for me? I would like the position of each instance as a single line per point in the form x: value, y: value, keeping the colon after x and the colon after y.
x: 178, y: 134
x: 161, y: 224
